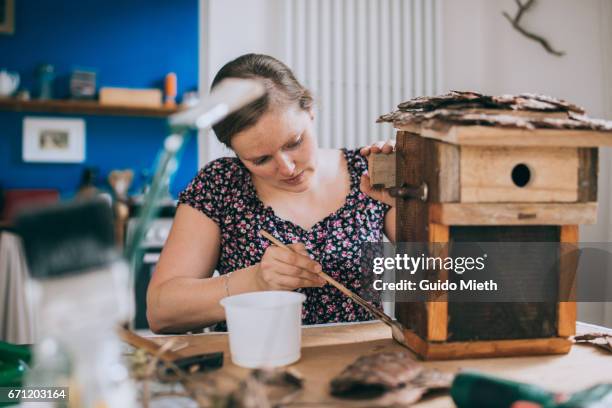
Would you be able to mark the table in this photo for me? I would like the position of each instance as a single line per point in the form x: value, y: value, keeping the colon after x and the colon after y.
x: 327, y: 349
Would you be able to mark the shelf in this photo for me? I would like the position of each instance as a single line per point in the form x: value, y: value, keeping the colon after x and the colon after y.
x: 82, y: 108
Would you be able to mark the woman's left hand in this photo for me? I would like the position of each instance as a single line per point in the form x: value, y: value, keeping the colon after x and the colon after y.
x: 377, y: 193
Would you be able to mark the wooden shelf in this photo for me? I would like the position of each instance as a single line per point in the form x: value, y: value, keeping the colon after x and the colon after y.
x: 82, y: 108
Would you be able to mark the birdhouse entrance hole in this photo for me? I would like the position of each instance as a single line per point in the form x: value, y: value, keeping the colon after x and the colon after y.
x: 521, y: 175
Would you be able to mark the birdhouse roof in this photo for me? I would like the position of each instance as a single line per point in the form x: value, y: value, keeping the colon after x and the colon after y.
x: 470, y: 118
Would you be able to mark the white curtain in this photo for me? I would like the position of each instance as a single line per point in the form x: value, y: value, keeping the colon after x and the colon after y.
x: 16, y: 318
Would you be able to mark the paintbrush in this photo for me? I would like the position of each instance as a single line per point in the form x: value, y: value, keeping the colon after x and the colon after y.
x: 397, y: 330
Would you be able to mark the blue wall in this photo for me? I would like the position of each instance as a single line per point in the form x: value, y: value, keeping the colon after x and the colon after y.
x: 130, y: 44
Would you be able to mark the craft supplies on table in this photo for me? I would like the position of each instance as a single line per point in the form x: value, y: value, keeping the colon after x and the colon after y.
x: 328, y: 349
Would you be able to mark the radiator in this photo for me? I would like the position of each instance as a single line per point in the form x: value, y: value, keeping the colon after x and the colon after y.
x: 360, y: 58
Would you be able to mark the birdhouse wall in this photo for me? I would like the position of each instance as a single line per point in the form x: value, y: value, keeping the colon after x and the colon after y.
x: 489, y: 174
x: 518, y: 174
x: 472, y: 197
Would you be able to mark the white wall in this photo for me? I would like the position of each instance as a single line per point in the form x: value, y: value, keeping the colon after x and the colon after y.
x: 483, y: 52
x: 228, y: 29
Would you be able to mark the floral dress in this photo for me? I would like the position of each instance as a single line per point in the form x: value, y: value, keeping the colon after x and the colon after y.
x: 224, y: 191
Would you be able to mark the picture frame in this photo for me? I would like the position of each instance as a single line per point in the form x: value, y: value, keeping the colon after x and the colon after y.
x: 7, y: 16
x: 53, y: 140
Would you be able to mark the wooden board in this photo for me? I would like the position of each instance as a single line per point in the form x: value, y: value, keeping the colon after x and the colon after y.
x: 551, y: 175
x: 588, y: 170
x: 411, y: 221
x: 381, y: 168
x: 481, y: 349
x: 85, y: 107
x: 513, y: 214
x: 437, y: 311
x: 442, y: 170
x: 495, y: 136
x: 566, y: 324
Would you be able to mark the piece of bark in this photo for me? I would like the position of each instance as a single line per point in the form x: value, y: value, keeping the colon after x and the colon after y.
x: 560, y: 103
x: 469, y: 99
x: 389, y: 376
x: 266, y: 388
x: 434, y: 102
x: 288, y: 377
x: 458, y: 117
x: 601, y: 340
x: 462, y: 118
x: 249, y: 394
x: 375, y: 374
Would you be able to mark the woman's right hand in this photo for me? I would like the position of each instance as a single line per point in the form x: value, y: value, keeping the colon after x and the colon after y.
x: 282, y: 269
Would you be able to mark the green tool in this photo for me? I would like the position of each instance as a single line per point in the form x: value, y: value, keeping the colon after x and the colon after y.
x: 14, y: 360
x: 598, y: 396
x: 471, y: 389
x: 476, y: 390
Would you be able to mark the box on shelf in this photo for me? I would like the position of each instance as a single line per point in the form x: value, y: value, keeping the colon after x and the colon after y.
x: 151, y: 98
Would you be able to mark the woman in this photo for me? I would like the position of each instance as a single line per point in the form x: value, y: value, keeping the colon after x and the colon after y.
x: 319, y: 200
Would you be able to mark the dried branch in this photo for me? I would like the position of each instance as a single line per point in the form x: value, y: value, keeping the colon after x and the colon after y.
x: 516, y: 23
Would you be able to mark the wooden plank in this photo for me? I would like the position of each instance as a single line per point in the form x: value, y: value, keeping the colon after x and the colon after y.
x: 382, y: 169
x: 416, y: 343
x: 513, y: 214
x: 438, y: 233
x: 433, y: 351
x: 496, y: 348
x: 442, y: 171
x: 566, y: 312
x: 411, y: 222
x: 82, y: 108
x: 411, y: 214
x: 491, y: 174
x: 496, y: 136
x: 588, y: 170
x: 437, y: 311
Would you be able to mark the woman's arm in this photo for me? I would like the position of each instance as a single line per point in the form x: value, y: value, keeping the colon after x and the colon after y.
x: 182, y: 295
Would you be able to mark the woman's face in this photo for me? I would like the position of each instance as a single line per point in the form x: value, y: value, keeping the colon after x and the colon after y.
x: 280, y: 149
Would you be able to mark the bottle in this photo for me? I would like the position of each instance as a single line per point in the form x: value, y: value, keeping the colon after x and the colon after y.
x: 170, y: 89
x: 46, y: 76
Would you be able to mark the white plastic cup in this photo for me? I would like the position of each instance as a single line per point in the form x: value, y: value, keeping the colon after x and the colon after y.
x: 264, y: 328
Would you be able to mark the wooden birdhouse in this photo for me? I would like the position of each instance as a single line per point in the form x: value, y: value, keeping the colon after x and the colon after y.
x: 471, y: 167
